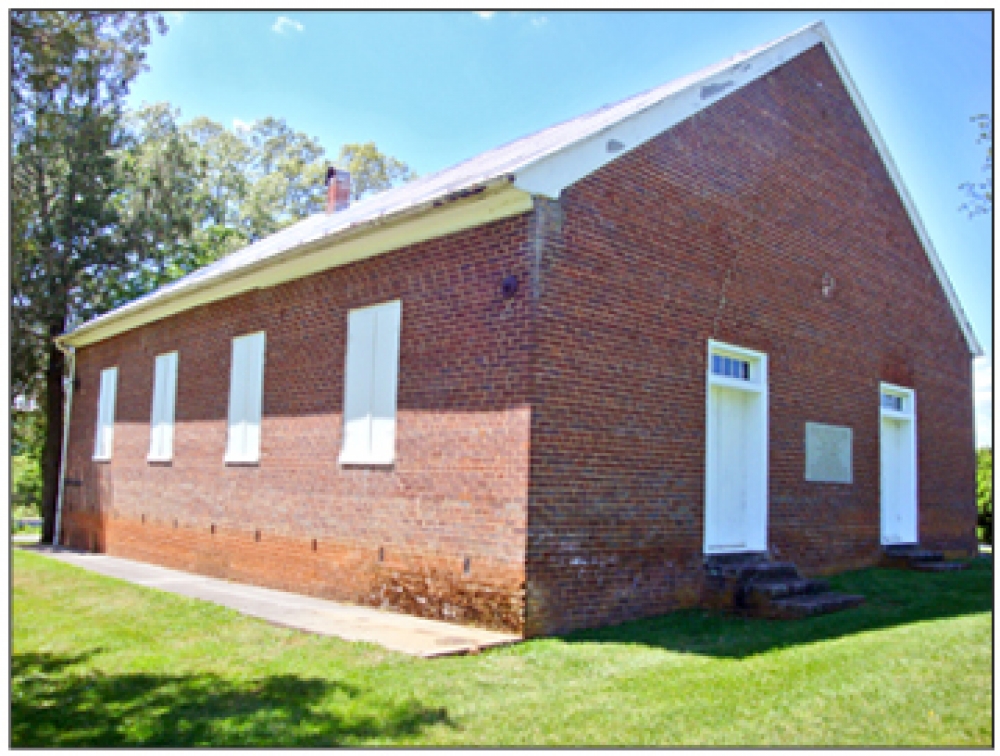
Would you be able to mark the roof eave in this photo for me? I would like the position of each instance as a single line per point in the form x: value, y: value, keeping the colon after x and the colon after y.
x: 476, y: 206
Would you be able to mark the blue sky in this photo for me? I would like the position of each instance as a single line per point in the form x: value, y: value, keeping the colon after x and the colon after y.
x: 435, y: 88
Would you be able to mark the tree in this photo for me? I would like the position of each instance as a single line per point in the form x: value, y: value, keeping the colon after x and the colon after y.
x: 979, y: 197
x: 286, y: 171
x: 191, y: 193
x: 27, y: 439
x: 70, y: 73
x: 371, y: 171
x: 984, y: 492
x: 157, y: 203
x: 225, y: 161
x: 256, y: 180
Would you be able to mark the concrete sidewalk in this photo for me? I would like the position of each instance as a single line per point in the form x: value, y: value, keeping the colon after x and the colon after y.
x: 398, y: 632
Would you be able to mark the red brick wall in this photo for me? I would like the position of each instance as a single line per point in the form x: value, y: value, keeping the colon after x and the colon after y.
x: 724, y: 228
x: 457, y: 490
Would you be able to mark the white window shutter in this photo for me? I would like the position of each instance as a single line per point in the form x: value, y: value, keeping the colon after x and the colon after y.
x: 156, y: 414
x: 254, y: 395
x: 384, y: 380
x: 111, y: 377
x: 161, y: 444
x: 370, y: 379
x: 246, y: 383
x: 234, y: 445
x: 357, y: 386
x: 170, y: 405
x: 104, y: 439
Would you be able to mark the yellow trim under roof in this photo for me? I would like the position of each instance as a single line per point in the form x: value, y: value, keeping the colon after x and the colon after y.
x: 429, y: 223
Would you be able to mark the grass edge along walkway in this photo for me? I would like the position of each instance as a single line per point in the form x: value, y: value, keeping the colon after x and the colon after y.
x: 98, y: 662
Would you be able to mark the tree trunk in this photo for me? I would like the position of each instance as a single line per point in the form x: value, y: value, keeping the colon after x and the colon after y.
x: 52, y: 451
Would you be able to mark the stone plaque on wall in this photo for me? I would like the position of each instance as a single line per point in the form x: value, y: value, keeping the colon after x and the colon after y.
x: 828, y: 453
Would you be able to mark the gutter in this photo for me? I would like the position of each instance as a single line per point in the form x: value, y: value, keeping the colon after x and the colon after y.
x: 70, y: 354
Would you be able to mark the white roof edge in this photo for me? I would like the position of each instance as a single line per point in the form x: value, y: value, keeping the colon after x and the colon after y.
x: 667, y: 106
x: 975, y: 348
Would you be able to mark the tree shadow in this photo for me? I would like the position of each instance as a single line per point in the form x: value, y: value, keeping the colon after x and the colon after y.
x: 892, y: 598
x: 55, y: 702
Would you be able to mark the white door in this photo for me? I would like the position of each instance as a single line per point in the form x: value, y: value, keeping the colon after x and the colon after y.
x: 736, y: 451
x: 727, y: 511
x: 898, y: 462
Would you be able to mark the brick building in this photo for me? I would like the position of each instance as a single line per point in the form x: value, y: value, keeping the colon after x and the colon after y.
x: 537, y: 389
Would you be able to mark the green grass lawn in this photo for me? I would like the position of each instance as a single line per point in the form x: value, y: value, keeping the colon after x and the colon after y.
x: 98, y: 662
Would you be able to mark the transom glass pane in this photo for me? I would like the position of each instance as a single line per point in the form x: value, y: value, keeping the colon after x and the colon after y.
x: 892, y: 402
x: 730, y: 367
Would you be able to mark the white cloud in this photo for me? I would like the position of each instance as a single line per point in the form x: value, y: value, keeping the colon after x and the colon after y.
x: 485, y: 15
x: 539, y: 21
x: 284, y: 23
x: 241, y: 125
x: 982, y: 382
x: 177, y: 16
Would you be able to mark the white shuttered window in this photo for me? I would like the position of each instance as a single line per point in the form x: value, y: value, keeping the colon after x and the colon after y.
x: 161, y: 432
x: 246, y: 384
x: 104, y: 438
x: 370, y: 380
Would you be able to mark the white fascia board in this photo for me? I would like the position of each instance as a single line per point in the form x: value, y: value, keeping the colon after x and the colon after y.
x: 554, y: 172
x: 911, y: 208
x: 313, y: 257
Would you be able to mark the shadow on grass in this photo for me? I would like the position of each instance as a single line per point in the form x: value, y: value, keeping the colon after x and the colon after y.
x: 55, y: 705
x: 892, y: 597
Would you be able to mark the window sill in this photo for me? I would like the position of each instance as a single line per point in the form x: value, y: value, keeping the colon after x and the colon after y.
x: 100, y: 459
x: 241, y: 462
x: 160, y: 460
x: 360, y: 462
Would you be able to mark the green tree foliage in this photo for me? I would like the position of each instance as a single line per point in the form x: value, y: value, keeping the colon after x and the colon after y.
x: 371, y: 171
x: 979, y: 196
x: 984, y: 492
x: 70, y: 73
x: 193, y: 192
x: 27, y: 439
x: 156, y: 201
x: 240, y: 185
x: 285, y: 176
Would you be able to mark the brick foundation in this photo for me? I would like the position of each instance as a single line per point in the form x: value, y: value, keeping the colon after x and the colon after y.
x: 412, y: 583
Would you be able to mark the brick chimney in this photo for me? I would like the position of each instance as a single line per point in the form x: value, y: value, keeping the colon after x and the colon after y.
x: 338, y: 190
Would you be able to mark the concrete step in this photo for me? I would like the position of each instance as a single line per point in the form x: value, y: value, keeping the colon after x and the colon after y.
x: 809, y: 605
x: 914, y: 552
x: 938, y: 566
x: 738, y: 557
x: 752, y: 585
x: 772, y: 571
x: 915, y: 557
x: 732, y: 565
x: 754, y: 570
x: 779, y: 588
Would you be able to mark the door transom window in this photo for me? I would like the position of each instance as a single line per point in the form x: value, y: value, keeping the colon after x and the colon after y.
x: 731, y: 367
